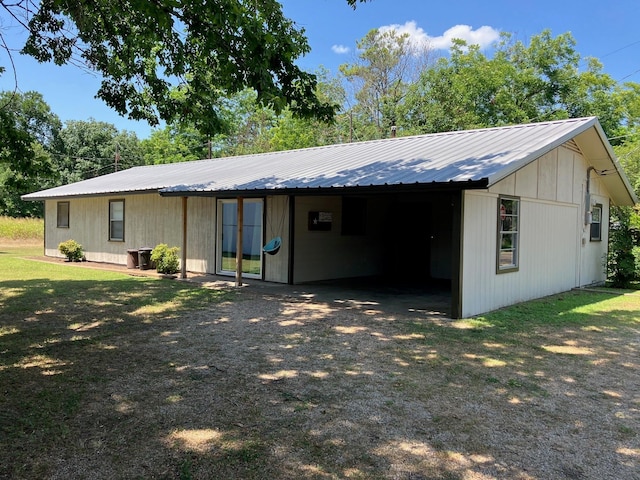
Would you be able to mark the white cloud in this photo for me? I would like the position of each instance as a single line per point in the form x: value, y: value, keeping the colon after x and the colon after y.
x: 340, y: 49
x: 483, y: 36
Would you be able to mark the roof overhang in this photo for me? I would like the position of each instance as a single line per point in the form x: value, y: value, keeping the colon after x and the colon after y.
x: 596, y: 149
x: 36, y: 197
x: 350, y: 190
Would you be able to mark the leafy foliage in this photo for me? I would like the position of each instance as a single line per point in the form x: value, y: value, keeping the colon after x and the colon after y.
x: 148, y: 51
x: 386, y: 65
x: 28, y: 130
x: 624, y: 236
x: 165, y: 258
x: 72, y: 250
x: 174, y: 144
x: 520, y: 83
x: 90, y: 148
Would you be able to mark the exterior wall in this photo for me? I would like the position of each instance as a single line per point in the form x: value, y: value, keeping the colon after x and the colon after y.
x: 320, y: 255
x: 201, y: 234
x: 555, y: 253
x: 149, y: 220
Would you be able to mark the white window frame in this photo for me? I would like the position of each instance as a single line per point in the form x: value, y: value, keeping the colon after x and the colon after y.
x: 508, y: 226
x: 596, y: 221
x: 113, y: 220
x: 65, y: 216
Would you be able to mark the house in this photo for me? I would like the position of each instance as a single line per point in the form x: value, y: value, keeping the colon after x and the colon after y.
x: 502, y: 214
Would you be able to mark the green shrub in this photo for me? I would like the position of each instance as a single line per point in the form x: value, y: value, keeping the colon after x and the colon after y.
x: 72, y: 250
x: 624, y: 237
x: 165, y: 258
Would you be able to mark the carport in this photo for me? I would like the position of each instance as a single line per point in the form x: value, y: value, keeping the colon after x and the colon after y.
x: 402, y: 240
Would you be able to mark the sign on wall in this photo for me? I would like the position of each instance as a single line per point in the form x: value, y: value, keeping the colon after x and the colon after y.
x: 320, y: 221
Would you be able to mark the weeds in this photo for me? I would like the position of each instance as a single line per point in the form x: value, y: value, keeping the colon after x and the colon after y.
x: 21, y: 228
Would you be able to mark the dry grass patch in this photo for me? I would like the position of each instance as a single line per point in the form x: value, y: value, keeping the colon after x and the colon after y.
x: 273, y: 386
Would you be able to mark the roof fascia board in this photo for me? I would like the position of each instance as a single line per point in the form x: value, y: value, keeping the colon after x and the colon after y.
x: 369, y: 189
x: 88, y: 195
x: 614, y: 161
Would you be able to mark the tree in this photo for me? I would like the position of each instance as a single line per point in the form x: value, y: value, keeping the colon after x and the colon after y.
x: 623, y: 259
x: 290, y: 132
x: 380, y: 75
x: 146, y: 50
x: 91, y: 148
x: 174, y: 144
x: 624, y: 239
x: 628, y: 153
x: 29, y: 131
x: 520, y: 83
x: 247, y: 126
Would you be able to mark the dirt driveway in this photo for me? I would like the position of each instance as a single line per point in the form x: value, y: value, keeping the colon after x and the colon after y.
x: 292, y: 384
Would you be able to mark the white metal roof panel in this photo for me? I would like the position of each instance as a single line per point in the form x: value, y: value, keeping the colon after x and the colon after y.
x: 461, y: 156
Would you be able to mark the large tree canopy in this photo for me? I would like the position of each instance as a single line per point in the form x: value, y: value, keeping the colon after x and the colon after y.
x: 146, y: 50
x: 28, y: 133
x: 518, y: 84
x: 91, y: 148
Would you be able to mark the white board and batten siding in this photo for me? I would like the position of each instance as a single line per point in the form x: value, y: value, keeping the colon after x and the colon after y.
x: 149, y: 220
x: 555, y: 253
x: 320, y: 255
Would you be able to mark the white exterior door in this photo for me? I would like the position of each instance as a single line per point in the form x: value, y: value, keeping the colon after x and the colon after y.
x: 252, y: 237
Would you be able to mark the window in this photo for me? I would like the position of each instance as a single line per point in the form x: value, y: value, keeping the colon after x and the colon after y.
x: 63, y: 215
x: 508, y: 229
x: 116, y: 220
x: 354, y: 216
x: 596, y: 223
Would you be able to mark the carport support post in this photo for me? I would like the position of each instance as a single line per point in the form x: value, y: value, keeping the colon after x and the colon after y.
x: 239, y: 242
x: 457, y: 206
x: 183, y: 268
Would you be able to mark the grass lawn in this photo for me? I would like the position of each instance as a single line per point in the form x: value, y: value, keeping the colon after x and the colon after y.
x: 105, y: 375
x: 56, y: 327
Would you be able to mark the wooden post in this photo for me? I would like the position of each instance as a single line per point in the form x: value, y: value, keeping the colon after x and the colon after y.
x: 239, y: 243
x: 184, y: 238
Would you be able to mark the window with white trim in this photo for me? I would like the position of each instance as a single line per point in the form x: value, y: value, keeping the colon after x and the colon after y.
x: 62, y: 215
x: 596, y: 223
x: 508, y: 234
x: 116, y: 220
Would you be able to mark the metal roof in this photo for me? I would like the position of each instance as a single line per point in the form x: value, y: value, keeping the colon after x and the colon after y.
x: 472, y: 155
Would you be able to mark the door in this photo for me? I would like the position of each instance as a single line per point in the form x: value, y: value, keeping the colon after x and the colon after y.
x: 252, y: 237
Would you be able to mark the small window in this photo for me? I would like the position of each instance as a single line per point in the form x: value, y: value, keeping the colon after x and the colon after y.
x: 508, y: 233
x: 354, y: 216
x: 116, y: 220
x: 596, y: 223
x: 63, y: 215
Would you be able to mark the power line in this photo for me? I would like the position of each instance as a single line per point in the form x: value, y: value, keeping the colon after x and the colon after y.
x: 620, y: 49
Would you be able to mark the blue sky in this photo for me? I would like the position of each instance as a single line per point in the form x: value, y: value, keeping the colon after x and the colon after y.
x: 605, y: 30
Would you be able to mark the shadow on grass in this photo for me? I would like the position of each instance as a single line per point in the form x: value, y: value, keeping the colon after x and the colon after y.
x: 296, y: 389
x: 60, y: 339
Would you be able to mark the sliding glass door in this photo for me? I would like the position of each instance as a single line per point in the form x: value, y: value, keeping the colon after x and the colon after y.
x: 252, y: 238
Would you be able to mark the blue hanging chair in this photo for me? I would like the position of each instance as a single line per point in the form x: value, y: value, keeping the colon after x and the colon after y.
x: 273, y: 246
